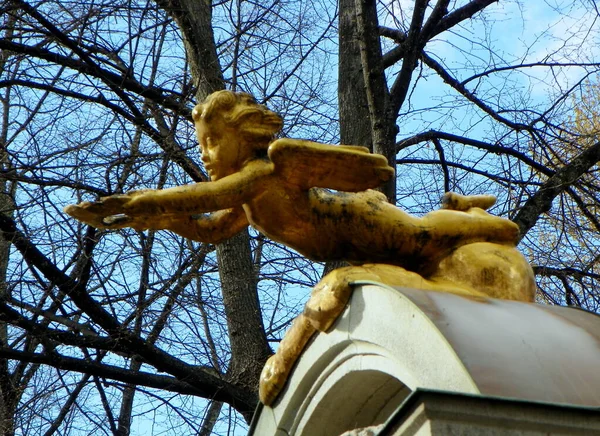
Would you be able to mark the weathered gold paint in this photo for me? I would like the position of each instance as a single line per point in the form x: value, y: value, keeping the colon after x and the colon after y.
x: 277, y: 186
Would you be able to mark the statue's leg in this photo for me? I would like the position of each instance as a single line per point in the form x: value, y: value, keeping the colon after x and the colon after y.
x: 278, y: 367
x: 495, y: 270
x: 454, y: 201
x: 330, y: 296
x: 327, y: 301
x: 448, y: 229
x: 475, y: 205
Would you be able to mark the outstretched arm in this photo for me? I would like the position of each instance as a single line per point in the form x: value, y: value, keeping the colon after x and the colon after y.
x: 211, y: 228
x: 138, y: 209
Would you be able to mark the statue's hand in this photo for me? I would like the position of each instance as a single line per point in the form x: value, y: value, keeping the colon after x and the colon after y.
x: 114, y: 212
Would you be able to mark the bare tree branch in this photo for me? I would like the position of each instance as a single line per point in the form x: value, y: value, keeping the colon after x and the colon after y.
x: 541, y: 202
x: 211, y: 386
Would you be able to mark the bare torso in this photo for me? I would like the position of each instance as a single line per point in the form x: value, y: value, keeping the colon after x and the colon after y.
x: 364, y: 228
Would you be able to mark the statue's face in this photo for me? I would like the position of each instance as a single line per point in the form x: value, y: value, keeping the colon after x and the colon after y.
x: 221, y: 148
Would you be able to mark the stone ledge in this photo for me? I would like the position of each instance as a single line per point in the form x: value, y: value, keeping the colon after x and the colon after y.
x: 427, y: 412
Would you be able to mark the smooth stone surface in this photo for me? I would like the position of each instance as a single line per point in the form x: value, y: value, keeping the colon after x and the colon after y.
x: 391, y: 341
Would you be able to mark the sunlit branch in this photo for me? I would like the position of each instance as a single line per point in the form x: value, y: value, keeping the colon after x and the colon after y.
x: 493, y: 148
x: 541, y: 202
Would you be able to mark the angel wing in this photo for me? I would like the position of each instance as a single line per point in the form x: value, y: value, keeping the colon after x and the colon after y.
x: 340, y: 167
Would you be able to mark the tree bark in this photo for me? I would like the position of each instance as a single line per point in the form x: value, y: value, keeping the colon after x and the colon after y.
x: 352, y: 94
x: 381, y: 117
x: 8, y: 390
x: 194, y: 20
x: 249, y: 346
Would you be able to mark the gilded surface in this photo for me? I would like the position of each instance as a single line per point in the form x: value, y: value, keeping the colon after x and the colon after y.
x: 317, y: 199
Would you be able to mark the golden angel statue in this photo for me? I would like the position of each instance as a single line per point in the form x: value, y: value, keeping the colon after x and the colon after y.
x: 317, y: 199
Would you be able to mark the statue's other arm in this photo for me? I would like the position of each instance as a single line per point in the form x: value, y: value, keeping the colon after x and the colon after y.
x: 211, y: 228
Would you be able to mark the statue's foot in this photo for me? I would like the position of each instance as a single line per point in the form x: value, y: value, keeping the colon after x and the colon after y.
x: 272, y: 379
x: 454, y: 201
x: 279, y: 366
x: 483, y: 227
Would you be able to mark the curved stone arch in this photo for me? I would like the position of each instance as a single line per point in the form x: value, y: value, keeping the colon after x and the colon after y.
x: 363, y: 354
x: 391, y: 341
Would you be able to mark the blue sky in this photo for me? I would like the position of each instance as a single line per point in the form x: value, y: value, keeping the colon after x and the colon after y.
x: 528, y: 32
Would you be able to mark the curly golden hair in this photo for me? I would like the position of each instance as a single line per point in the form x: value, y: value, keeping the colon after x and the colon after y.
x: 239, y: 109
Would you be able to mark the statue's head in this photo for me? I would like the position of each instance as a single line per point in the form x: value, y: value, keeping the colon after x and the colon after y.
x: 253, y: 122
x: 232, y: 129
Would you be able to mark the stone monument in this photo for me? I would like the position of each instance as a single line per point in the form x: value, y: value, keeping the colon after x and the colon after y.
x: 318, y: 200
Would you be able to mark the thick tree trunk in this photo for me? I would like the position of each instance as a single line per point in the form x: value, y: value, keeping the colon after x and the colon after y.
x: 381, y: 115
x: 8, y: 396
x: 194, y: 18
x: 355, y: 128
x: 249, y: 346
x: 352, y: 95
x: 9, y: 389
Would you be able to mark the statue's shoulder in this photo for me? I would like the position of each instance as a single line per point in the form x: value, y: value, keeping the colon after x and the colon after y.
x: 311, y: 164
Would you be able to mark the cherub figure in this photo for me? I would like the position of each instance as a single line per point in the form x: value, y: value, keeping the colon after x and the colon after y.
x: 317, y: 199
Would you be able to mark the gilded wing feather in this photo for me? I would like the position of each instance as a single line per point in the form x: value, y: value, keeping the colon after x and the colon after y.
x: 340, y: 167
